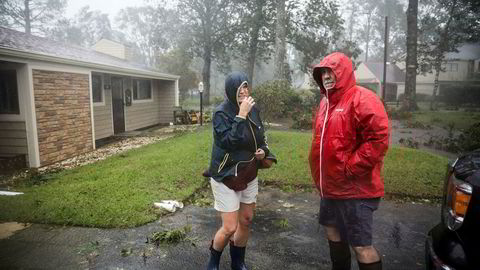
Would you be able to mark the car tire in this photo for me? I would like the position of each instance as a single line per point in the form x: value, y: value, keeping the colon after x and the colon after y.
x: 428, y: 258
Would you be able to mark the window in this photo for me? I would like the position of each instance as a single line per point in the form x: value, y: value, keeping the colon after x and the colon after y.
x: 8, y: 92
x: 97, y: 88
x: 450, y: 67
x: 142, y: 89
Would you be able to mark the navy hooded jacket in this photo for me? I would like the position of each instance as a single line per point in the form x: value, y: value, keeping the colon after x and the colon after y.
x: 235, y: 139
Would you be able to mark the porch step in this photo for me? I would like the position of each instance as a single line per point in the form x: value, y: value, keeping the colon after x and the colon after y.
x: 10, y: 163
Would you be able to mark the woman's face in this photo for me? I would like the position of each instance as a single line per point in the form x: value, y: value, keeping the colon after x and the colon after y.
x: 242, y: 92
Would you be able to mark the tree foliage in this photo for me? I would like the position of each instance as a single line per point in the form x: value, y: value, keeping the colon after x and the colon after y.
x: 86, y: 28
x: 177, y: 61
x: 254, y: 40
x: 154, y: 30
x: 33, y: 16
x: 315, y: 29
x: 212, y: 26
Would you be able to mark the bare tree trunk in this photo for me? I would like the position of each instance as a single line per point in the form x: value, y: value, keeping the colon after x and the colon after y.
x: 433, y: 103
x: 27, y: 15
x: 280, y: 41
x: 252, y: 52
x: 351, y: 20
x: 409, y: 102
x: 369, y: 17
x: 207, y: 63
x: 253, y: 46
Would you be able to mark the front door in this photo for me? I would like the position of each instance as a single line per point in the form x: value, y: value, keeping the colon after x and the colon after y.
x: 117, y: 105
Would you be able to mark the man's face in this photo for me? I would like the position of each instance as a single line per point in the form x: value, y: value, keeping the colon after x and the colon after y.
x: 328, y: 78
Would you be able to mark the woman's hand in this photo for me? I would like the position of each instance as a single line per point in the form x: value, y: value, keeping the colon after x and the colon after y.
x: 246, y: 106
x: 260, y: 154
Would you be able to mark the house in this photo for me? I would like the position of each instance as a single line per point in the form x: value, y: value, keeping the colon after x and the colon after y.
x: 370, y: 75
x: 57, y: 99
x: 462, y: 67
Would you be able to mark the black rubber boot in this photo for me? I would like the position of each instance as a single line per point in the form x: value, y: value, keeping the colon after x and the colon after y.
x: 214, y: 258
x: 370, y: 266
x: 340, y: 255
x: 237, y: 255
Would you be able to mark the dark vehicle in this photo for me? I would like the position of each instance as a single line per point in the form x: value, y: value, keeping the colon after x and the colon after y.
x: 455, y: 242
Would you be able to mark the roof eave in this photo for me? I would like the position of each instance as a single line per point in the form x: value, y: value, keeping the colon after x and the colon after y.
x: 61, y: 60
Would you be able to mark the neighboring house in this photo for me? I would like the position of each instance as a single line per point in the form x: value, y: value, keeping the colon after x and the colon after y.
x: 460, y: 67
x: 57, y: 99
x: 370, y: 75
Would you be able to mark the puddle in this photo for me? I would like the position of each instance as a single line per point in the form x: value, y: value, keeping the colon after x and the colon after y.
x: 9, y: 228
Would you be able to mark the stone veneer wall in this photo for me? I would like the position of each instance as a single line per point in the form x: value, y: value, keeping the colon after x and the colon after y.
x: 62, y: 104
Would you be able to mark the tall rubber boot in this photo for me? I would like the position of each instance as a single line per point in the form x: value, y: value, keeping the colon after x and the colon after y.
x: 213, y: 263
x: 340, y: 255
x: 370, y: 266
x: 237, y: 254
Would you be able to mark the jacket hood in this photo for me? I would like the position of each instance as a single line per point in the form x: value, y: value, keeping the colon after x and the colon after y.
x: 232, y: 83
x: 342, y: 68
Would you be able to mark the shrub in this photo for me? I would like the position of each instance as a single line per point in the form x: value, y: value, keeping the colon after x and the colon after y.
x: 470, y: 139
x: 398, y: 114
x: 275, y: 99
x: 457, y: 95
x: 217, y: 100
x: 306, y: 109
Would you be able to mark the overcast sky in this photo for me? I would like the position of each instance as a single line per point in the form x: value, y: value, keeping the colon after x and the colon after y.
x: 105, y: 6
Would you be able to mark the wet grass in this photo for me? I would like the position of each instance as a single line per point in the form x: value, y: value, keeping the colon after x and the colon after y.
x: 120, y: 191
x: 407, y: 172
x: 460, y: 120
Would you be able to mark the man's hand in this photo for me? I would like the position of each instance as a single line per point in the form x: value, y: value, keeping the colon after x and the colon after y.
x: 246, y: 106
x: 260, y: 154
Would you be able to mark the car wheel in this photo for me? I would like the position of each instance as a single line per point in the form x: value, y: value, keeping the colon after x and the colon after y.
x: 428, y: 258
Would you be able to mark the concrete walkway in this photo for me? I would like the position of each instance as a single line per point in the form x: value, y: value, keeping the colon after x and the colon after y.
x: 399, y: 235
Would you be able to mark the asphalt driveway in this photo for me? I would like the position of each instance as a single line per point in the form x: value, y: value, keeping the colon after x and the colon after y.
x: 285, y: 235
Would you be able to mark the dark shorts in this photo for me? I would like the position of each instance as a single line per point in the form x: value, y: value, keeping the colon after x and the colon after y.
x: 351, y: 217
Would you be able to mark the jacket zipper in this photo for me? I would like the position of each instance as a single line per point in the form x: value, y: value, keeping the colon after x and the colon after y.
x: 321, y: 144
x: 253, y: 133
x: 255, y: 140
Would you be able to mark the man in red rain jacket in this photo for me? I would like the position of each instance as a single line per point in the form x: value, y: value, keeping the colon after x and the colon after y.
x: 350, y: 139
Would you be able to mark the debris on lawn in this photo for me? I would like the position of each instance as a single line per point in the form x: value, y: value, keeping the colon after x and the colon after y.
x: 10, y: 193
x: 281, y: 223
x: 169, y: 205
x: 89, y: 248
x: 173, y: 236
x: 288, y: 205
x: 126, y: 252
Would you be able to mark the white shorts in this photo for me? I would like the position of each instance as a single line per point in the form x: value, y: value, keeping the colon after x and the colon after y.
x: 228, y: 200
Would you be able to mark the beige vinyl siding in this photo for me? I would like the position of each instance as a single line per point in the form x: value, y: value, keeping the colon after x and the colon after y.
x: 102, y: 116
x: 13, y: 138
x: 157, y: 111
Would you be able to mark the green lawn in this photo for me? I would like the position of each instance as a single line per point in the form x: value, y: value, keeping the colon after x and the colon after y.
x: 119, y: 191
x: 461, y: 120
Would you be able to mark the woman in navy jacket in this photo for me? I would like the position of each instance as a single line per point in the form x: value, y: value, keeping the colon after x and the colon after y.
x: 239, y: 144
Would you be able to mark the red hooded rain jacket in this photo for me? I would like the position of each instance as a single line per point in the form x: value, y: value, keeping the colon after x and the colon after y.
x: 350, y: 136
